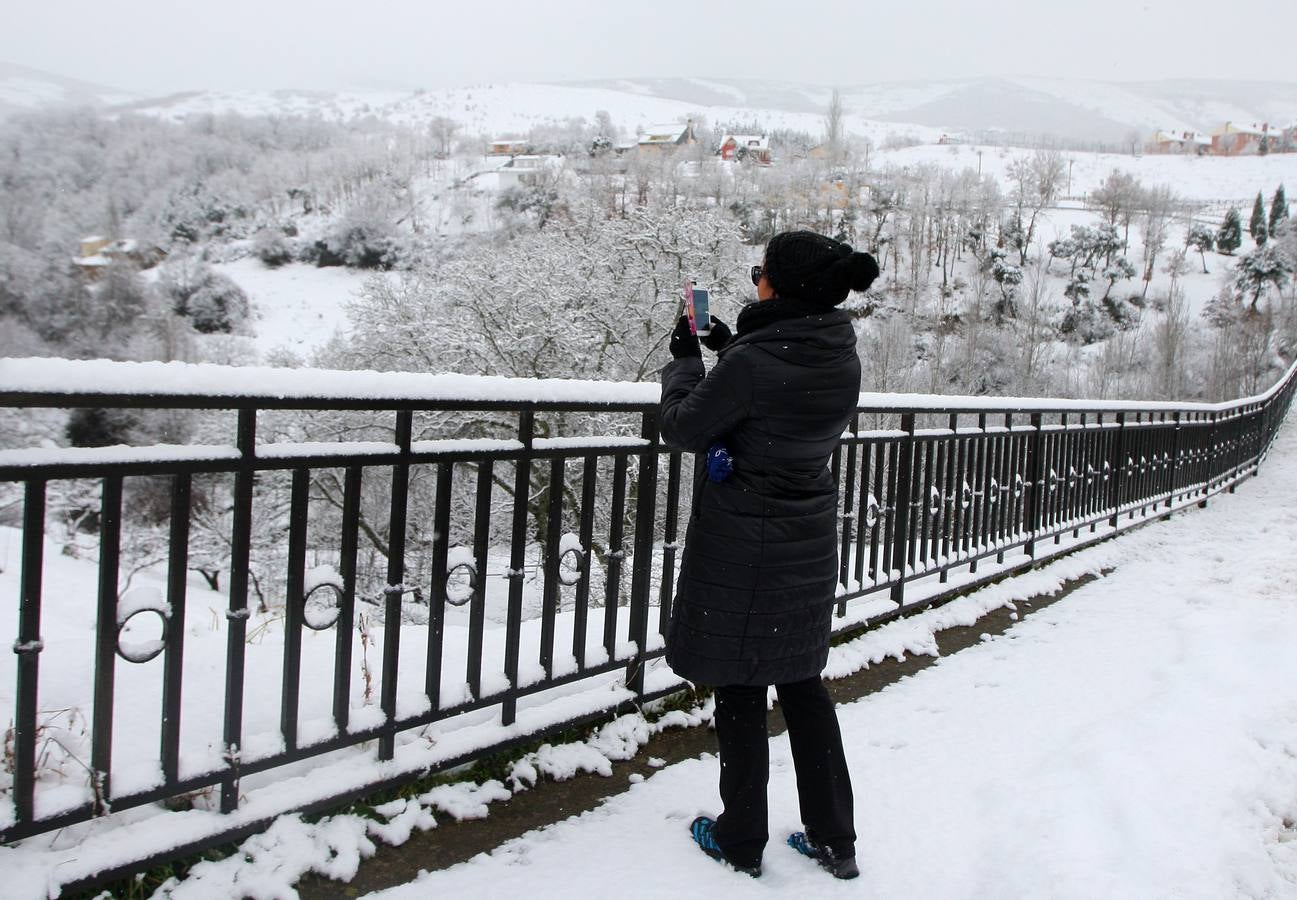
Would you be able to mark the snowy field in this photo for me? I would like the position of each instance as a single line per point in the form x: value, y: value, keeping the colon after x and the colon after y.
x: 1138, y: 739
x: 296, y: 307
x: 1200, y: 178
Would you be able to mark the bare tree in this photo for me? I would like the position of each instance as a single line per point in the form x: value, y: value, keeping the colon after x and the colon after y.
x: 1036, y: 182
x: 834, y: 127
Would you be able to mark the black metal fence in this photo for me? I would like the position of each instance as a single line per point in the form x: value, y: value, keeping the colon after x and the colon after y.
x: 931, y: 489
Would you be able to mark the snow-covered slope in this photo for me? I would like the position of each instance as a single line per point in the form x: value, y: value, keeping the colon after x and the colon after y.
x: 1073, y: 108
x: 1077, y: 109
x: 514, y: 108
x: 23, y: 88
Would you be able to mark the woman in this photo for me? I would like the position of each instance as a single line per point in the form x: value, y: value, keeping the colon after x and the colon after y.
x: 758, y: 576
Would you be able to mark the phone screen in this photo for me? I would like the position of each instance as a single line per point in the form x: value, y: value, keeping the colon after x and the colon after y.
x: 702, y: 314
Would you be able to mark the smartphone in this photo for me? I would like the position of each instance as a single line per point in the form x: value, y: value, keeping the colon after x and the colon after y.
x: 698, y: 308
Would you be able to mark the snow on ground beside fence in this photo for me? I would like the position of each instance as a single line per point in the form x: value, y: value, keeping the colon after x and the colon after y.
x: 1138, y: 740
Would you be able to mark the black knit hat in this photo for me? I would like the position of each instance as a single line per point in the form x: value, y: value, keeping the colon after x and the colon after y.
x: 816, y: 270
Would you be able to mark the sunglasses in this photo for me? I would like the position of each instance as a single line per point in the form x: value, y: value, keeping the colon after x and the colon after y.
x: 757, y: 272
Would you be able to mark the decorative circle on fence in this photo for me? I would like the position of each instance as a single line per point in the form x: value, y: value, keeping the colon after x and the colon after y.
x: 934, y: 502
x: 872, y: 511
x: 1018, y: 486
x: 571, y: 566
x: 965, y: 496
x: 995, y: 492
x: 322, y: 606
x: 461, y: 582
x: 145, y: 650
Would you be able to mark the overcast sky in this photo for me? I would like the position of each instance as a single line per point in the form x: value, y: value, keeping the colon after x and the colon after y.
x: 151, y: 46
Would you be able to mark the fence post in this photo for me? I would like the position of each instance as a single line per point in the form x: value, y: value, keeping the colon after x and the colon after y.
x: 28, y: 648
x: 517, y: 559
x: 1211, y: 461
x: 642, y: 564
x: 237, y: 613
x: 395, y: 587
x: 1036, y: 465
x: 101, y: 748
x: 901, y: 544
x: 1118, y: 471
x: 1175, y: 462
x: 844, y: 561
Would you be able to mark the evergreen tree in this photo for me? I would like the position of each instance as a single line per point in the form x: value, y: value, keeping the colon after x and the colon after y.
x: 1230, y: 235
x: 1278, y: 210
x: 1257, y: 225
x: 1201, y: 239
x: 1262, y: 268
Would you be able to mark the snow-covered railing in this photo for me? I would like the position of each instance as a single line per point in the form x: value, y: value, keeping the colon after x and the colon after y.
x: 438, y: 556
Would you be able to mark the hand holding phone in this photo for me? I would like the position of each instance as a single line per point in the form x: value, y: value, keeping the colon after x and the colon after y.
x: 698, y: 308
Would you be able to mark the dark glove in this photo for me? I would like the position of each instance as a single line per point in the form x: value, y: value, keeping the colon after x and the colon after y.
x: 684, y: 342
x: 719, y: 337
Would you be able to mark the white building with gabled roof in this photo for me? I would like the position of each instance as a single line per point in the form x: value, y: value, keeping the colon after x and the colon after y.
x: 671, y: 134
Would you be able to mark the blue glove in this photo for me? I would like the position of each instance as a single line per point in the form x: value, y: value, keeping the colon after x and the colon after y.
x: 719, y: 463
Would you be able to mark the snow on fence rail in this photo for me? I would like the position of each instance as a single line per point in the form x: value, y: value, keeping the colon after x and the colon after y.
x: 418, y: 570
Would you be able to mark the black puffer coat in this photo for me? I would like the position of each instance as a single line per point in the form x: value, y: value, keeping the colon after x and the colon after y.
x: 757, y: 580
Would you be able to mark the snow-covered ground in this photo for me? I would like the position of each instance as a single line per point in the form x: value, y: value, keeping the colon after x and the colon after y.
x: 1199, y: 178
x: 296, y: 307
x: 1138, y: 739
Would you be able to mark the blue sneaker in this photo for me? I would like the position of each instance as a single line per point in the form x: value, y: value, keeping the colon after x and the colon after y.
x: 703, y: 830
x: 838, y: 866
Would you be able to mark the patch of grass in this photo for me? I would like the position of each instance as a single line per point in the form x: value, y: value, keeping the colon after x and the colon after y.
x: 142, y: 885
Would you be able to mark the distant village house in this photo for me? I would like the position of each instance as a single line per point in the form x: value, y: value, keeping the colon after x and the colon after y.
x: 1241, y: 139
x: 673, y: 134
x: 527, y: 169
x: 507, y: 147
x: 1231, y: 139
x: 98, y: 252
x: 740, y: 147
x: 1180, y: 142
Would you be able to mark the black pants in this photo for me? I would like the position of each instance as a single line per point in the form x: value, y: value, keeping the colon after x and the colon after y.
x: 823, y: 782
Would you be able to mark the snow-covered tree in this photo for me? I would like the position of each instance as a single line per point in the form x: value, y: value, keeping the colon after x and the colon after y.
x: 1278, y: 211
x: 1035, y: 182
x: 1266, y: 266
x: 1119, y: 198
x: 1201, y: 238
x: 1257, y: 225
x: 589, y: 296
x: 1230, y: 236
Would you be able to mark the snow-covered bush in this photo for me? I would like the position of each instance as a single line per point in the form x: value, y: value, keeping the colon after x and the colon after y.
x: 360, y: 241
x: 212, y: 302
x: 272, y: 247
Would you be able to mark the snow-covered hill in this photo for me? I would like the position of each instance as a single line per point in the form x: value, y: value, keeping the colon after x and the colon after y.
x: 23, y: 88
x: 1076, y: 109
x: 1071, y: 108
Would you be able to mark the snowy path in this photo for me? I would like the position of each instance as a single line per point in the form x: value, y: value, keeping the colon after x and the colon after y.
x: 1138, y: 739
